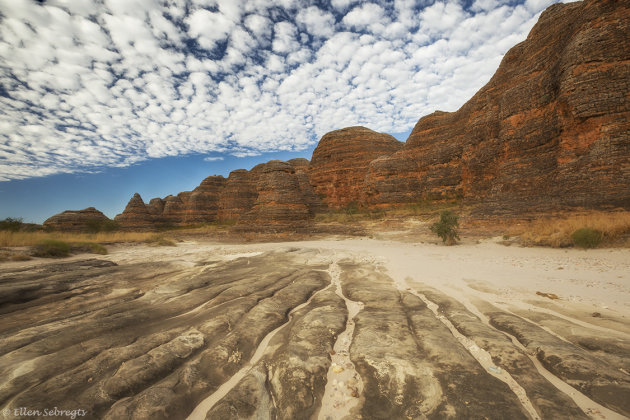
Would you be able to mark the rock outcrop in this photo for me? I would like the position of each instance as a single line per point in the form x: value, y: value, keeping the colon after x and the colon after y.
x: 549, y: 131
x: 280, y: 204
x: 340, y: 163
x: 77, y: 220
x: 154, y: 337
x: 203, y: 203
x: 312, y: 201
x: 136, y: 214
x: 238, y: 196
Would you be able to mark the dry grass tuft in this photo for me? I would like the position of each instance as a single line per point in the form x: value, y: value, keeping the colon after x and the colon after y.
x: 12, y: 239
x: 557, y: 231
x: 159, y: 240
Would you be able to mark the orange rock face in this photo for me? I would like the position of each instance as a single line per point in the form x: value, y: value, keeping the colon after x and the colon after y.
x: 340, y: 163
x: 203, y: 203
x: 312, y: 201
x: 136, y: 215
x: 76, y: 220
x: 238, y: 196
x: 280, y: 204
x: 549, y: 131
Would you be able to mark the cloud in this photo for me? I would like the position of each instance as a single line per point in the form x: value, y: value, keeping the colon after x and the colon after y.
x: 316, y: 21
x: 364, y: 16
x: 86, y: 84
x: 213, y: 158
x: 208, y: 27
x: 285, y: 38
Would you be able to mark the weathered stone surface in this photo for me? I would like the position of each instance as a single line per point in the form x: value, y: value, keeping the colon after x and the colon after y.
x: 340, y: 162
x: 598, y: 379
x: 281, y: 204
x: 175, y: 208
x: 545, y: 398
x: 289, y: 381
x: 550, y: 130
x: 76, y: 220
x: 134, y: 342
x: 158, y: 334
x: 156, y: 206
x: 426, y: 373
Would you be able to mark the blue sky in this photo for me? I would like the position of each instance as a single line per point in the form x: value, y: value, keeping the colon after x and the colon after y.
x: 103, y: 98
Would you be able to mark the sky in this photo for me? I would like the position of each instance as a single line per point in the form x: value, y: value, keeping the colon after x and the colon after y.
x: 103, y: 98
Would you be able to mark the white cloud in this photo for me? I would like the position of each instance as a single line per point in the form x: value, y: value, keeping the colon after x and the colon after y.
x: 285, y: 38
x: 213, y: 158
x: 208, y: 27
x: 341, y: 5
x: 317, y: 21
x: 259, y: 25
x: 365, y: 15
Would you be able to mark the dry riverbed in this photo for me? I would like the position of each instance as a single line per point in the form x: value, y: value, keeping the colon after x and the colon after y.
x: 328, y: 329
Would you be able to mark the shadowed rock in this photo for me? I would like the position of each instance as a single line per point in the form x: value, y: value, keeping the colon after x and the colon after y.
x: 76, y: 220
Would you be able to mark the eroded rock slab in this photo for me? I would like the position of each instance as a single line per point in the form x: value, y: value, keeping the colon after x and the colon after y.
x: 254, y: 335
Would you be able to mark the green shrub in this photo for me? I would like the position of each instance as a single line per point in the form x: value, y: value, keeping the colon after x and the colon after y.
x: 51, y: 248
x: 110, y: 226
x: 11, y: 224
x: 587, y: 238
x: 446, y: 227
x: 98, y: 225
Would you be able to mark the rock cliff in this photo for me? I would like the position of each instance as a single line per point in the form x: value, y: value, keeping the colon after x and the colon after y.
x: 77, y: 220
x: 280, y: 203
x: 238, y: 196
x: 550, y: 130
x: 340, y: 163
x: 203, y: 203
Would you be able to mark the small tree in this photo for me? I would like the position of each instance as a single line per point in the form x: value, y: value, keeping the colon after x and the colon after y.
x: 11, y: 224
x: 446, y: 228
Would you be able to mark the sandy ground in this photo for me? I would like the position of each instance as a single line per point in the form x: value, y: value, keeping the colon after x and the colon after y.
x: 596, y: 280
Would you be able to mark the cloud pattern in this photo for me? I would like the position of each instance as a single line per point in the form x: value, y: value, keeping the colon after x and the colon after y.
x: 92, y: 83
